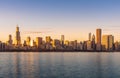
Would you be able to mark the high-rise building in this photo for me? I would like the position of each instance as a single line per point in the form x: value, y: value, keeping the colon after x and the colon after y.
x: 111, y: 42
x: 62, y: 40
x: 117, y: 46
x: 107, y: 42
x: 48, y: 45
x: 56, y: 43
x: 89, y: 36
x: 75, y: 44
x: 28, y: 41
x: 98, y: 36
x: 93, y: 42
x: 89, y: 45
x: 38, y: 41
x: 32, y: 43
x: 10, y: 41
x: 85, y: 45
x: 67, y: 43
x: 17, y: 38
x: 93, y: 37
x: 24, y: 44
x: 81, y: 46
x: 48, y: 39
x: 98, y: 39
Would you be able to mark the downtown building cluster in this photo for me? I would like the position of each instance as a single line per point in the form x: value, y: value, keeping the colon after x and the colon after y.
x: 94, y: 43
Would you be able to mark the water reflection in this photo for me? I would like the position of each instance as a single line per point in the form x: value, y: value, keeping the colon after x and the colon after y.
x: 59, y: 65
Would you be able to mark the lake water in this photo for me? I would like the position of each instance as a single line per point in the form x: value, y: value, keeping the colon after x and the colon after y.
x: 59, y: 65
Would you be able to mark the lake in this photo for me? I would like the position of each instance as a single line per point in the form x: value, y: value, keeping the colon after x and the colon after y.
x: 59, y: 65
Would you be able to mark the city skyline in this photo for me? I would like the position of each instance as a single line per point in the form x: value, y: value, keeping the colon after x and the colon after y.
x: 98, y: 42
x: 59, y: 38
x: 33, y: 34
x: 77, y: 17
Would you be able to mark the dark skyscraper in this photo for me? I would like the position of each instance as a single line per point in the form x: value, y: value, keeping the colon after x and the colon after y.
x: 93, y: 42
x: 98, y: 39
x: 10, y: 41
x: 18, y: 38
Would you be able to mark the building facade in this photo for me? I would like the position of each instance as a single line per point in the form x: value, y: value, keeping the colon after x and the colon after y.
x: 98, y: 39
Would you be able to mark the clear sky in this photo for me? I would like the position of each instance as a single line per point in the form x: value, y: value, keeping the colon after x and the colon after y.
x: 73, y: 18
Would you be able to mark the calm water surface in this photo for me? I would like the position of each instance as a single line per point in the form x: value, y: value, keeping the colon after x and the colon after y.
x: 59, y: 65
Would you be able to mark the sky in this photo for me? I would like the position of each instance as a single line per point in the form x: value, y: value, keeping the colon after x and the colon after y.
x: 72, y: 18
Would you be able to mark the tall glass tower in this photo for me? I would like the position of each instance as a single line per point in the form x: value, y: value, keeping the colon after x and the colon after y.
x: 18, y: 38
x: 62, y: 40
x: 98, y: 39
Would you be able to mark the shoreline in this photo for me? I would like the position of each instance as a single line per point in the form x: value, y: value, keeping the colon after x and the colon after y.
x: 55, y: 51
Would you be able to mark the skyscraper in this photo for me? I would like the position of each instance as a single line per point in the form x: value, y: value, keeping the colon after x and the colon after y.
x: 48, y: 39
x: 18, y: 38
x: 89, y: 45
x: 38, y: 41
x: 56, y: 43
x: 93, y: 42
x: 62, y: 40
x: 107, y: 42
x: 89, y: 36
x: 93, y: 37
x: 98, y: 39
x: 98, y: 36
x: 10, y: 41
x: 28, y: 41
x: 111, y: 42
